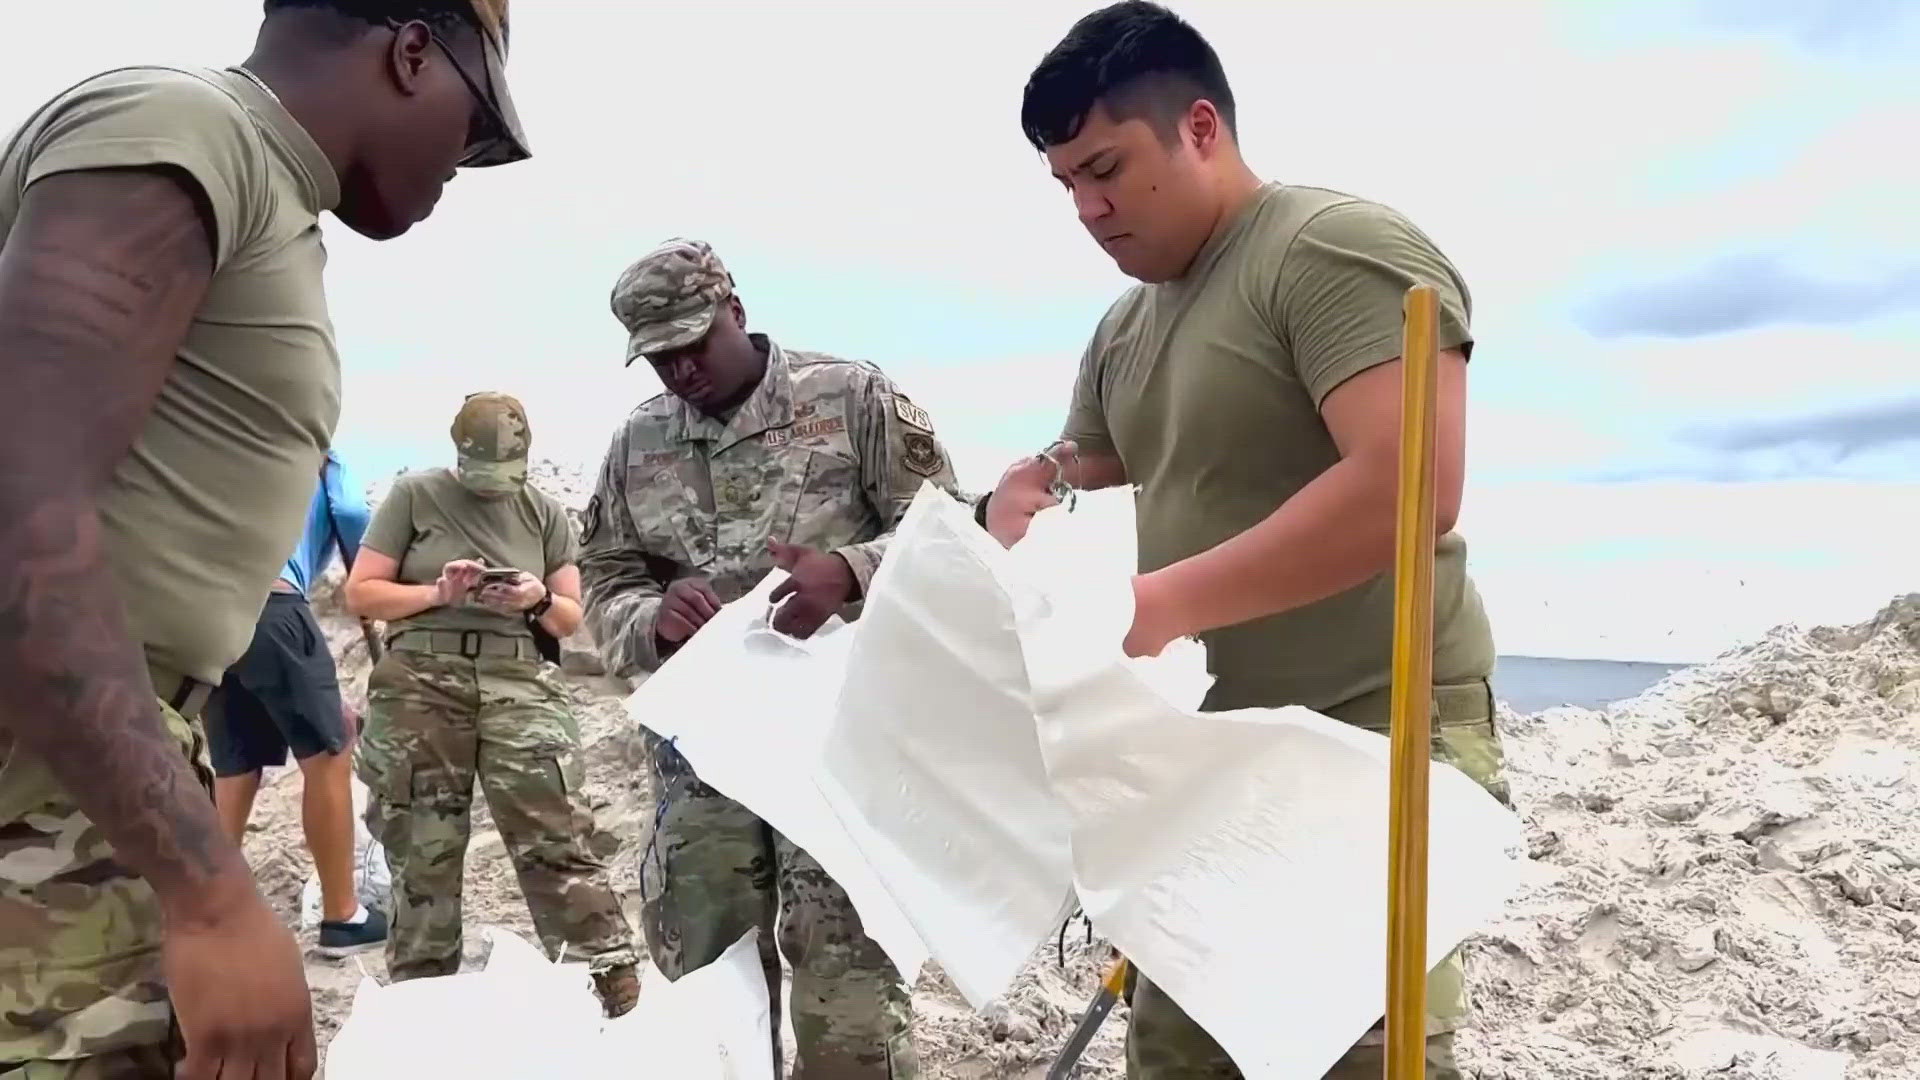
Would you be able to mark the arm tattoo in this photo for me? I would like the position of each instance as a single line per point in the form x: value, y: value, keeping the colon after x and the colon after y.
x: 99, y: 279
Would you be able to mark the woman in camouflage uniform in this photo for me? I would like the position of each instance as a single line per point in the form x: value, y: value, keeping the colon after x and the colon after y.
x: 463, y: 564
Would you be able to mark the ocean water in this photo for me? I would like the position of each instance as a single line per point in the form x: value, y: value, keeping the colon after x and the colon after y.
x: 1532, y: 683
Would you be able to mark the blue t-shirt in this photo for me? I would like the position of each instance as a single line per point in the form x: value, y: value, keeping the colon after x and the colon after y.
x: 337, y: 515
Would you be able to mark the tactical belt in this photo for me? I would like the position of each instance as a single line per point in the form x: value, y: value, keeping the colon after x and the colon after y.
x: 184, y: 695
x: 468, y: 643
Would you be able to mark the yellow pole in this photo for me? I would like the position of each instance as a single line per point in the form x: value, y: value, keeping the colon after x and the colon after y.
x: 1412, y: 696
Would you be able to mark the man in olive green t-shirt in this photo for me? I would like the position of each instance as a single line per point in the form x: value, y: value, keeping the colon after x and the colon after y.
x: 164, y: 330
x: 1250, y: 387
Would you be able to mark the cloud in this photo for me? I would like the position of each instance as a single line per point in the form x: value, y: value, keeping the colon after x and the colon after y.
x: 1815, y: 24
x: 1848, y: 430
x: 1745, y: 291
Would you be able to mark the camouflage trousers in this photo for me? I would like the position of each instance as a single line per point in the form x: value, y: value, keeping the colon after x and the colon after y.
x: 1163, y: 1043
x: 714, y: 871
x: 82, y: 992
x: 435, y: 723
x: 154, y: 1062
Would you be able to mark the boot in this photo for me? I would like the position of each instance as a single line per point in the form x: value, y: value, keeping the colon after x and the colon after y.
x: 619, y: 989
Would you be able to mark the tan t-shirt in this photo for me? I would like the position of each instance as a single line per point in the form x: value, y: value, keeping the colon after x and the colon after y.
x: 1208, y: 388
x: 201, y: 514
x: 429, y: 519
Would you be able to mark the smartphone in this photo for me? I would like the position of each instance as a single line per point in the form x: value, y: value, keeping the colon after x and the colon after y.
x: 499, y: 576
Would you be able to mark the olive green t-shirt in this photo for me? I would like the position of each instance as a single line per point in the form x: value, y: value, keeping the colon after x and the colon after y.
x: 430, y: 519
x: 1209, y: 388
x: 201, y: 513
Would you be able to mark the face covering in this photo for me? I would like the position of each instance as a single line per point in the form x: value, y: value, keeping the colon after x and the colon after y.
x: 492, y: 479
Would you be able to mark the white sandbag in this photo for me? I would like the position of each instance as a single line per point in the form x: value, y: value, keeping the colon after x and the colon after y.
x: 522, y: 1016
x: 526, y: 1016
x: 372, y: 882
x: 933, y: 760
x: 1238, y: 859
x: 714, y: 1023
x: 749, y: 708
x: 1216, y: 850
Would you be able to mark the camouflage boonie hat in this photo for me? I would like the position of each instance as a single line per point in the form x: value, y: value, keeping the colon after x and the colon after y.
x: 508, y: 144
x: 492, y: 437
x: 668, y: 299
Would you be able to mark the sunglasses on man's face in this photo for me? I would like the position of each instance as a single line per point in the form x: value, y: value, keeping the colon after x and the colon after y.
x: 488, y: 134
x: 487, y: 130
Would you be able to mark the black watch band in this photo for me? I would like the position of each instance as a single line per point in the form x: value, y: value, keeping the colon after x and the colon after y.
x: 541, y: 608
x: 980, y: 510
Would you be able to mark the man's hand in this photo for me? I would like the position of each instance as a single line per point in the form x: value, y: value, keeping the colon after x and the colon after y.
x: 1025, y: 489
x: 818, y: 585
x: 457, y: 579
x: 512, y: 599
x: 685, y: 607
x: 236, y: 981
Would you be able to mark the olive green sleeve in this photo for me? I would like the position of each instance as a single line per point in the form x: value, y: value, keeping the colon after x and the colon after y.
x: 391, y: 531
x: 147, y: 118
x: 1341, y: 296
x: 1086, y: 412
x: 558, y: 547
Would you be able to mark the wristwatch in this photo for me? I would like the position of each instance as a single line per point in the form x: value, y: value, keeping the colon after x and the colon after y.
x: 541, y: 608
x: 980, y: 510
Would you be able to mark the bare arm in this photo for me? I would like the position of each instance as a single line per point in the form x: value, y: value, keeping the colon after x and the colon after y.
x: 563, y: 618
x: 1336, y: 532
x: 99, y: 282
x: 372, y: 592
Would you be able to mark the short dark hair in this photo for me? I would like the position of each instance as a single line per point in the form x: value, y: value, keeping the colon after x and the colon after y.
x: 1135, y: 58
x: 439, y: 13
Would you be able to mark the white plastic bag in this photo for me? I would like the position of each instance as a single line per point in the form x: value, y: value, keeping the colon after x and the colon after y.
x: 714, y: 1023
x: 933, y: 760
x: 372, y: 882
x: 525, y: 1016
x: 981, y: 722
x: 759, y: 743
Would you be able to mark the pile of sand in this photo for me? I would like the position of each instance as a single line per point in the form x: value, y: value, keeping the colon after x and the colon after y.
x: 1728, y: 877
x: 1730, y: 873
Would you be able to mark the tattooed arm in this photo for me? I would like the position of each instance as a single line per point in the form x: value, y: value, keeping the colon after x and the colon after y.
x: 99, y: 280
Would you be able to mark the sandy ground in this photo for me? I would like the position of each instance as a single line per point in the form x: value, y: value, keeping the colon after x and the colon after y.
x: 1727, y: 879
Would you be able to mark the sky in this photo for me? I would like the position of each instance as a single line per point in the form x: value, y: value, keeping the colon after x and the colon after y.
x: 1687, y: 226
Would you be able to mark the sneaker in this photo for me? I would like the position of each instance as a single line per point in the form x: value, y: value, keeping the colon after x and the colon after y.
x: 619, y: 989
x: 343, y: 939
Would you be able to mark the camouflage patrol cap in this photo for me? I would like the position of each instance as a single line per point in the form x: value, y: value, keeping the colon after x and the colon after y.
x: 508, y: 144
x: 668, y: 298
x: 492, y: 437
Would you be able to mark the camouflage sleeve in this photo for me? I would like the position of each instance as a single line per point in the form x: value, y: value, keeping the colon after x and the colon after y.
x: 621, y: 584
x: 898, y: 453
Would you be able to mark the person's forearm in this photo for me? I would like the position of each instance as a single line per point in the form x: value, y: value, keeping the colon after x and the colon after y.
x: 563, y: 618
x: 1334, y: 534
x: 80, y: 700
x: 1091, y: 471
x: 621, y: 618
x: 389, y: 601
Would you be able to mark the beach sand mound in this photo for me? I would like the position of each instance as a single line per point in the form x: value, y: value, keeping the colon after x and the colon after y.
x: 1727, y: 875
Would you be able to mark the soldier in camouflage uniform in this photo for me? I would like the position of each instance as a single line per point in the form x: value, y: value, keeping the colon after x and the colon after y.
x: 163, y: 320
x: 463, y: 694
x: 755, y: 457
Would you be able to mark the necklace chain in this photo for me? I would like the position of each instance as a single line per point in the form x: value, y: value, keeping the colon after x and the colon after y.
x: 259, y: 82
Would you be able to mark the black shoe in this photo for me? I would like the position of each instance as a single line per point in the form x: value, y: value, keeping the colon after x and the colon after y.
x: 343, y: 939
